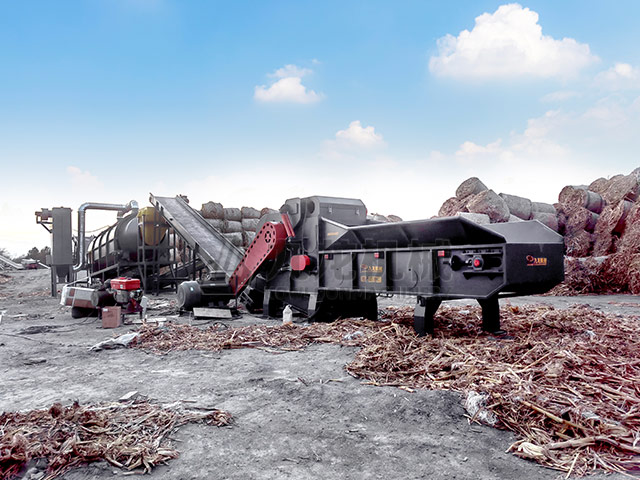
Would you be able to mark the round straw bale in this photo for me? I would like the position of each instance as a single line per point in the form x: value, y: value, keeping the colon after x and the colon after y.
x: 250, y: 224
x: 581, y: 197
x: 490, y: 203
x: 542, y: 207
x: 599, y: 185
x: 376, y: 217
x: 267, y: 211
x: 603, y: 244
x: 212, y: 210
x: 548, y: 219
x: 232, y: 214
x: 578, y: 243
x: 216, y: 223
x: 231, y: 226
x: 452, y: 206
x: 470, y: 186
x: 603, y: 234
x: 247, y: 238
x: 633, y: 273
x: 518, y: 206
x: 479, y: 218
x: 561, y: 215
x: 615, y: 272
x: 579, y: 218
x: 631, y: 237
x: 623, y: 209
x: 235, y: 238
x: 567, y: 193
x: 249, y: 212
x: 581, y: 275
x: 615, y: 178
x: 626, y: 187
x: 394, y: 218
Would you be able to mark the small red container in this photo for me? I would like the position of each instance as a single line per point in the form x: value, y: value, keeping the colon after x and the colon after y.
x: 125, y: 283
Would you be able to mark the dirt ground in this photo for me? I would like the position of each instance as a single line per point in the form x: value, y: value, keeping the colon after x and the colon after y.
x: 297, y: 414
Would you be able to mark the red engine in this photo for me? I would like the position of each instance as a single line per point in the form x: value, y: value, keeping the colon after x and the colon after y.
x: 125, y: 283
x: 126, y: 292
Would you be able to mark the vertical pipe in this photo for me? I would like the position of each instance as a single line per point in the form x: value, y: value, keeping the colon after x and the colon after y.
x: 82, y: 212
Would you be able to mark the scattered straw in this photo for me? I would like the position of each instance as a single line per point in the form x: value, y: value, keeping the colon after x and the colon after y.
x: 128, y: 435
x: 174, y: 337
x: 568, y: 383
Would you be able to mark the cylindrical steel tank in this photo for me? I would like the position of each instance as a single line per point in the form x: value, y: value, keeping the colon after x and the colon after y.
x: 118, y: 244
x: 152, y: 225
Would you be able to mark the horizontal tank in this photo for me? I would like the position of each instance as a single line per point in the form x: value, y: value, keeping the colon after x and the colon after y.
x: 118, y: 244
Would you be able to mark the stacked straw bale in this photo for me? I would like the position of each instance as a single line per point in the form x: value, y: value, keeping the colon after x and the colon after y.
x: 237, y: 224
x: 474, y: 197
x: 600, y: 223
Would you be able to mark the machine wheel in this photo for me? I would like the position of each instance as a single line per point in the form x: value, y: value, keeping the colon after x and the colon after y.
x: 189, y: 295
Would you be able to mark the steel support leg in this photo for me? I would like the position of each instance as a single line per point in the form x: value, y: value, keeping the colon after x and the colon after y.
x: 312, y: 305
x: 271, y: 305
x: 490, y: 315
x: 423, y: 315
x: 54, y: 282
x: 265, y: 303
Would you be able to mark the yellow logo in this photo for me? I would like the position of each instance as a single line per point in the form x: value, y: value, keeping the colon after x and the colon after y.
x: 370, y: 279
x: 371, y: 268
x: 536, y: 261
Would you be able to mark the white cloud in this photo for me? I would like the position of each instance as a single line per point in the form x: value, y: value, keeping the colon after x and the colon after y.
x: 291, y: 71
x: 357, y: 136
x: 556, y: 149
x: 508, y: 43
x: 560, y: 96
x: 83, y: 179
x: 470, y: 148
x: 288, y: 89
x: 621, y: 76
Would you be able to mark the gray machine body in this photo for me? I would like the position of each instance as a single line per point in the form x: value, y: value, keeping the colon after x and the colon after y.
x: 350, y: 258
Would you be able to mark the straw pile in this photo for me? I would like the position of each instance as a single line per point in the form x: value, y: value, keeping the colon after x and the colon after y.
x: 615, y: 241
x: 216, y: 338
x: 473, y: 196
x: 131, y: 435
x: 237, y: 224
x: 567, y: 384
x: 598, y: 221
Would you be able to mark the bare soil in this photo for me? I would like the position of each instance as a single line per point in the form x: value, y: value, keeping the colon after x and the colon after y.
x: 297, y: 414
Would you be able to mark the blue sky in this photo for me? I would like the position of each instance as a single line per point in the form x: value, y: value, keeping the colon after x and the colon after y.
x: 249, y: 103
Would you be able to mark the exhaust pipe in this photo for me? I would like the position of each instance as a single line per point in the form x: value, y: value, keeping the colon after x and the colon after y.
x: 132, y: 206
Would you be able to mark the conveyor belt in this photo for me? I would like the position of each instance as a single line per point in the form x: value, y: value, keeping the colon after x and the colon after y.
x: 8, y: 262
x: 211, y: 246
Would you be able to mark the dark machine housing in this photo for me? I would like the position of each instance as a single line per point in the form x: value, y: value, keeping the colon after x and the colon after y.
x: 334, y: 262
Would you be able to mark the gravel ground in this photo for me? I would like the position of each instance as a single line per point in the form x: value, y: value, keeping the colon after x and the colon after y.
x: 297, y: 414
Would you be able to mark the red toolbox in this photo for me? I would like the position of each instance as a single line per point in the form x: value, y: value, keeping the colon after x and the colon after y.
x: 125, y: 283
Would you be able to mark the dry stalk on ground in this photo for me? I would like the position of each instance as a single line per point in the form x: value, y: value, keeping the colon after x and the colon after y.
x: 568, y: 383
x: 128, y: 435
